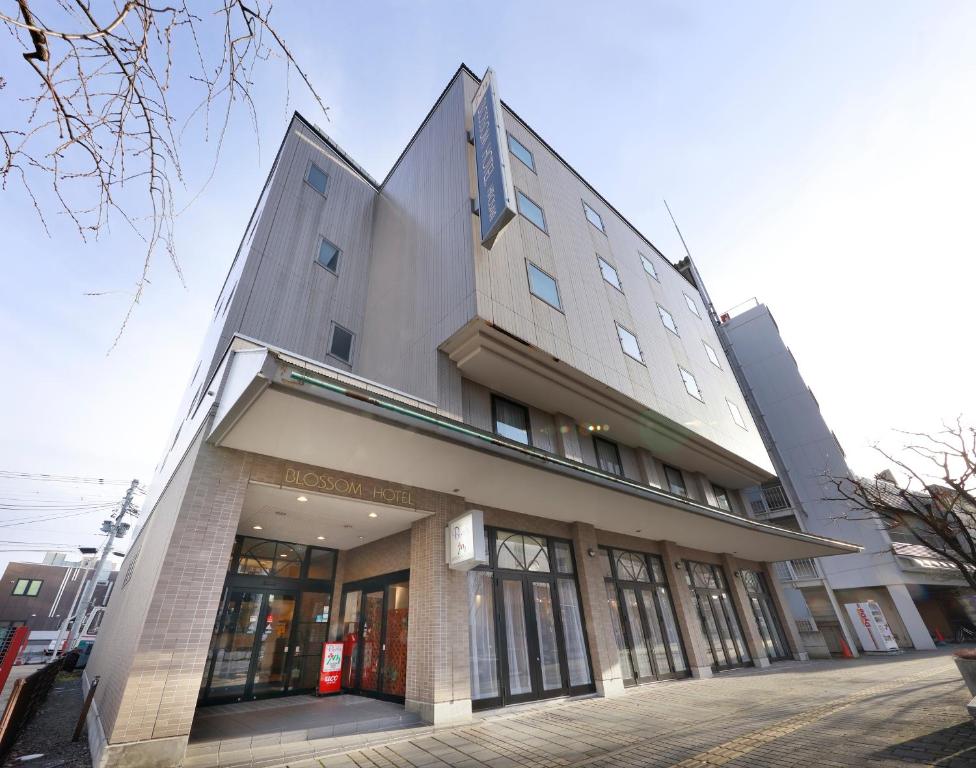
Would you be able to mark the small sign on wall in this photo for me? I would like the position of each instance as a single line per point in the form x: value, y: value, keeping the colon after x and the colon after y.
x: 464, y: 541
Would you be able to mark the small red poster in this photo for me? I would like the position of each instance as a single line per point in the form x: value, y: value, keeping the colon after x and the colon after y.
x: 331, y: 669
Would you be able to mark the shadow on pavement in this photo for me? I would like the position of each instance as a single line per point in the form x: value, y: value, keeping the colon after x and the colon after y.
x: 950, y: 747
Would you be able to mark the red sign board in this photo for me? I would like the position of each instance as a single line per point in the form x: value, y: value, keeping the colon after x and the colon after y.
x: 330, y: 671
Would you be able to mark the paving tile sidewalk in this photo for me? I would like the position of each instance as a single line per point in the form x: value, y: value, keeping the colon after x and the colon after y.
x: 907, y: 710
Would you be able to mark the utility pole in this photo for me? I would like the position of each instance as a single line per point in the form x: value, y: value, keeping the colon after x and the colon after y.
x: 83, y: 603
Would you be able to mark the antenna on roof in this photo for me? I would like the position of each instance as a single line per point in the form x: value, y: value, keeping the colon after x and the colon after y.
x: 677, y: 229
x: 693, y: 270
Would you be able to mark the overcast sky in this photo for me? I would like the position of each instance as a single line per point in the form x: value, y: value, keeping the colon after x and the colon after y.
x: 818, y: 156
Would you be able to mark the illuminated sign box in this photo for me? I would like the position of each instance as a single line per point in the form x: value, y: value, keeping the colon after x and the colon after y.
x: 464, y: 541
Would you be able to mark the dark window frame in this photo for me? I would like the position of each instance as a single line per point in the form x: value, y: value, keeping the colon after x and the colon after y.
x: 528, y: 151
x: 529, y: 266
x: 597, y: 439
x: 352, y: 342
x: 338, y: 256
x: 681, y: 476
x: 28, y: 583
x: 494, y: 417
x: 519, y: 194
x: 308, y: 172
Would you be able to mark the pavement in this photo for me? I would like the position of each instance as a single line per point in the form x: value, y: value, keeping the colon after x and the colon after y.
x: 907, y: 710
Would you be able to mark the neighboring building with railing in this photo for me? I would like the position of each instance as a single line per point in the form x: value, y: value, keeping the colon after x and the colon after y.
x: 921, y: 596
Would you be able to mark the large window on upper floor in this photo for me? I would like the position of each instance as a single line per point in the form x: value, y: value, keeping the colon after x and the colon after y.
x: 712, y: 357
x: 519, y: 150
x: 543, y: 285
x: 511, y: 420
x: 736, y: 414
x: 667, y: 319
x: 691, y: 384
x: 692, y: 305
x: 340, y: 346
x: 629, y: 343
x: 328, y: 256
x: 531, y: 210
x: 593, y: 217
x: 317, y: 178
x: 609, y: 272
x: 675, y: 480
x: 607, y: 456
x: 648, y: 266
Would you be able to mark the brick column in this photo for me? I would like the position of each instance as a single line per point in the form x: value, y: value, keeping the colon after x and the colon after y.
x: 604, y: 658
x: 686, y: 612
x: 438, y: 671
x: 747, y: 617
x: 786, y: 615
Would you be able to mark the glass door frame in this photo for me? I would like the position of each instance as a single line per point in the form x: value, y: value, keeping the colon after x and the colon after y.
x: 757, y: 590
x: 707, y: 594
x: 365, y: 586
x: 527, y: 578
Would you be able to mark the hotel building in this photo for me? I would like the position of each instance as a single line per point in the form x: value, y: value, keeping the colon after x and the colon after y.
x: 381, y: 364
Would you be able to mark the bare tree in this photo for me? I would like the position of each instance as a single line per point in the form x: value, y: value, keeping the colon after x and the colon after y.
x: 936, y: 508
x: 99, y: 121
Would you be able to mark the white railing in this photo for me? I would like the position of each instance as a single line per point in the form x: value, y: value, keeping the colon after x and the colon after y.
x: 775, y: 498
x: 797, y: 570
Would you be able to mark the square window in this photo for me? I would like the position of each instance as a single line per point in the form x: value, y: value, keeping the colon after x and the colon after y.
x: 675, y: 480
x: 609, y: 273
x: 341, y: 345
x: 690, y: 384
x: 648, y: 266
x: 736, y: 414
x: 511, y: 420
x: 722, y: 497
x: 328, y: 256
x: 593, y: 217
x: 629, y: 344
x: 607, y: 456
x: 667, y: 320
x: 317, y: 179
x: 712, y: 357
x: 27, y: 587
x: 34, y: 587
x: 692, y: 305
x: 521, y: 152
x: 543, y: 286
x: 530, y: 210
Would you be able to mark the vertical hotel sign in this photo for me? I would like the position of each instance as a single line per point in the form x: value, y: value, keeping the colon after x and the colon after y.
x: 496, y: 193
x: 464, y: 541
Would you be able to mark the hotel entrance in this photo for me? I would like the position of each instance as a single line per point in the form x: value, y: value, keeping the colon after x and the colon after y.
x: 272, y: 621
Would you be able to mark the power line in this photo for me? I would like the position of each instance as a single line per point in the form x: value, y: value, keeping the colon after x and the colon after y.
x: 7, y: 474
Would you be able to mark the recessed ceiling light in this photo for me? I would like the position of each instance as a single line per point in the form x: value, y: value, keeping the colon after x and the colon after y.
x: 258, y: 528
x: 320, y: 538
x: 302, y: 499
x: 373, y: 514
x: 361, y: 538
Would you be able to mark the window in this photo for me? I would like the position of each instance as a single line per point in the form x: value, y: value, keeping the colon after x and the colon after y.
x: 607, y: 456
x: 511, y: 420
x: 317, y: 179
x: 521, y: 552
x: 648, y: 266
x: 328, y: 256
x: 692, y: 305
x: 736, y: 414
x: 675, y: 480
x: 628, y: 343
x: 609, y: 273
x: 341, y: 344
x: 712, y: 357
x: 530, y: 210
x: 722, y: 497
x: 593, y: 217
x: 543, y: 286
x: 667, y: 320
x: 521, y: 152
x: 27, y: 587
x: 691, y: 386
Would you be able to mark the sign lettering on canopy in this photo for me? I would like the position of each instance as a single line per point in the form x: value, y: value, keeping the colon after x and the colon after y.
x: 496, y: 192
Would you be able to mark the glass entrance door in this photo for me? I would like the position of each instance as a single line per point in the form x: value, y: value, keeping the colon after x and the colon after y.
x: 767, y: 620
x: 720, y: 625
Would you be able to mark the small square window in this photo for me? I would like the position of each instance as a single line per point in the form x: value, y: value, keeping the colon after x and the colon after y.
x: 593, y: 217
x: 712, y: 357
x: 667, y: 320
x: 607, y: 456
x: 317, y: 179
x: 521, y: 152
x: 736, y: 414
x: 511, y: 420
x: 629, y: 344
x: 341, y: 345
x: 690, y: 384
x: 675, y: 480
x: 692, y: 305
x: 722, y: 497
x: 609, y: 273
x: 328, y: 256
x: 528, y: 208
x: 27, y: 587
x: 543, y: 286
x: 648, y: 266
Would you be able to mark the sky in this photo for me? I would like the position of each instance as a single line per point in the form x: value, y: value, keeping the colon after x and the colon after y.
x: 818, y: 156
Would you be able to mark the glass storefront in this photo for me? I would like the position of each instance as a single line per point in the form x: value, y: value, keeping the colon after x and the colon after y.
x: 526, y: 626
x: 767, y: 620
x: 725, y: 645
x: 272, y: 621
x: 642, y: 617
